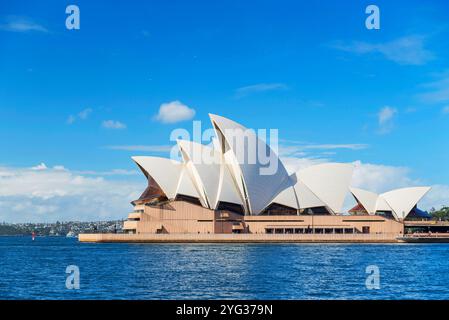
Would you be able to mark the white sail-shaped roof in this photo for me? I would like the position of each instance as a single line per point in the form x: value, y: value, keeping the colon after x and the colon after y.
x: 382, y: 205
x: 237, y: 170
x: 400, y: 201
x: 236, y: 176
x: 186, y: 186
x: 329, y: 182
x: 306, y: 198
x: 165, y: 172
x: 204, y: 163
x: 403, y: 200
x: 228, y: 190
x: 258, y: 185
x: 367, y: 199
x: 287, y: 197
x: 197, y: 182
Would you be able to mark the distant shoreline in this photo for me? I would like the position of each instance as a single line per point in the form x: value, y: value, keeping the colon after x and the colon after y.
x: 60, y: 228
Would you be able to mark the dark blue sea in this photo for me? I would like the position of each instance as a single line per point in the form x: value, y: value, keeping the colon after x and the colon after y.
x: 37, y: 270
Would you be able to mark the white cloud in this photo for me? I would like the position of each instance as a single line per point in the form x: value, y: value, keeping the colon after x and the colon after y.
x: 445, y: 110
x: 294, y: 164
x: 386, y: 114
x: 374, y: 177
x: 21, y: 24
x: 260, y: 87
x: 298, y: 149
x: 381, y: 178
x: 143, y: 148
x: 71, y: 119
x: 437, y: 197
x: 41, y: 166
x: 82, y: 115
x: 175, y: 111
x: 408, y: 50
x: 85, y: 113
x: 386, y: 119
x: 438, y: 90
x: 52, y: 194
x: 38, y: 209
x: 113, y: 172
x: 290, y: 151
x: 350, y: 146
x: 113, y: 124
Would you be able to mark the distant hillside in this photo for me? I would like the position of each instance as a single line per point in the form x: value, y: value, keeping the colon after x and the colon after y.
x: 10, y: 230
x: 60, y: 228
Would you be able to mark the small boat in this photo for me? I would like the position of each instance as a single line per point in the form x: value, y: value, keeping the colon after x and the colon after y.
x: 70, y: 234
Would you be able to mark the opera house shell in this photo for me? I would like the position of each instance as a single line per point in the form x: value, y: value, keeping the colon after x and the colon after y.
x: 237, y: 184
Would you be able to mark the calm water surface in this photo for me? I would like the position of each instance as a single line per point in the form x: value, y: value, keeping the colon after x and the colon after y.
x: 36, y: 270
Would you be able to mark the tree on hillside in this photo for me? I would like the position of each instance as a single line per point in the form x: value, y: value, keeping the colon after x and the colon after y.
x: 442, y: 214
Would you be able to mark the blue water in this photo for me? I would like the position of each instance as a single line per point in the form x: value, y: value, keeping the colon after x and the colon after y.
x: 36, y: 270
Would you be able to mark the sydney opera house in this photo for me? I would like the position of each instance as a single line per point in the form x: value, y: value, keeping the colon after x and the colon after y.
x: 226, y: 188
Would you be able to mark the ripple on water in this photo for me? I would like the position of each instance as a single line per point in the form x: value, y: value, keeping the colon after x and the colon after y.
x: 36, y: 270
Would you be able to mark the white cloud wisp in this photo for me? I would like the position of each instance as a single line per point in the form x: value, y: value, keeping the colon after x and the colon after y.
x: 42, y: 194
x: 173, y: 112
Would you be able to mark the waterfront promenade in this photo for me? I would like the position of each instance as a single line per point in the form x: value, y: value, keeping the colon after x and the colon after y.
x: 241, y: 238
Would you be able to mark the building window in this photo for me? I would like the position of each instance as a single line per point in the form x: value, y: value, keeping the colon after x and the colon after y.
x: 228, y: 206
x: 189, y: 199
x: 275, y: 209
x: 318, y: 211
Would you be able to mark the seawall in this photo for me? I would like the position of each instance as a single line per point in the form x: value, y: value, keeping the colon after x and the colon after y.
x: 240, y: 238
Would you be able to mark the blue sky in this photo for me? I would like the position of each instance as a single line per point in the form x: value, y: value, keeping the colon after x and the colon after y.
x: 335, y: 90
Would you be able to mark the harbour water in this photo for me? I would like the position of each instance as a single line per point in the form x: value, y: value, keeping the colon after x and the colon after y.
x: 37, y: 270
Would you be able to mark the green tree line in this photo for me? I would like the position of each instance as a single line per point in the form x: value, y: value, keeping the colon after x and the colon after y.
x: 442, y: 214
